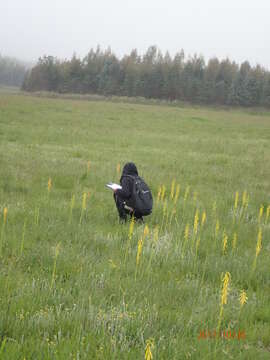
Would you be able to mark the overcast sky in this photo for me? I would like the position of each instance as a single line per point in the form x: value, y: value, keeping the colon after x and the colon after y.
x: 238, y: 29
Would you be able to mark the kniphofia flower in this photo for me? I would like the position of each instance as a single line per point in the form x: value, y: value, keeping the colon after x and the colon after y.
x: 243, y: 298
x: 49, y: 184
x: 148, y: 353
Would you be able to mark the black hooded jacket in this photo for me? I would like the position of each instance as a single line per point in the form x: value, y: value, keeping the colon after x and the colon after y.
x: 127, y: 182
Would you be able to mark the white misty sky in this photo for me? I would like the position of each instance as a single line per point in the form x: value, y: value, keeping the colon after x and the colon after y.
x: 239, y: 29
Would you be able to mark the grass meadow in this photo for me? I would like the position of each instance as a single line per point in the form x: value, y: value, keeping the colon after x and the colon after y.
x: 193, y: 282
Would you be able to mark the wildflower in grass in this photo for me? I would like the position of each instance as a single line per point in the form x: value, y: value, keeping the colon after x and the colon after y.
x: 186, y: 193
x: 243, y: 298
x: 172, y: 188
x: 88, y: 166
x: 148, y: 353
x: 49, y: 185
x: 145, y: 231
x: 259, y: 242
x: 83, y: 205
x: 267, y: 213
x: 177, y: 192
x: 118, y: 168
x: 225, y: 288
x: 224, y: 295
x: 5, y: 214
x: 84, y: 201
x: 261, y: 213
x: 196, y: 222
x: 244, y: 199
x: 186, y: 233
x: 225, y: 241
x: 163, y: 192
x: 130, y: 234
x: 236, y: 198
x: 159, y: 193
x: 203, y: 218
x: 258, y: 247
x: 139, y: 251
x: 56, y: 253
x: 234, y: 240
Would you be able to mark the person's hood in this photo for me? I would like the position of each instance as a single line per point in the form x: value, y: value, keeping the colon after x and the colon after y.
x: 130, y: 169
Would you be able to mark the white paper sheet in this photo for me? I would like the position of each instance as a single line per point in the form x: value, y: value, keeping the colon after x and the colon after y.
x: 113, y: 186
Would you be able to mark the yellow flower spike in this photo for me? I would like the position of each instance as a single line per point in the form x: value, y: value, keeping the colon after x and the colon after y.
x: 243, y: 298
x: 261, y: 212
x: 217, y: 228
x: 177, y: 192
x: 49, y: 185
x: 186, y: 192
x: 5, y: 214
x: 203, y: 218
x: 145, y: 231
x: 148, y: 353
x: 196, y: 222
x: 163, y: 192
x: 259, y: 242
x: 139, y: 251
x: 225, y: 241
x: 172, y: 188
x: 244, y: 199
x: 236, y: 200
x: 234, y: 240
x: 186, y: 234
x: 159, y: 193
x: 225, y: 288
x: 88, y: 166
x: 267, y: 213
x: 118, y: 168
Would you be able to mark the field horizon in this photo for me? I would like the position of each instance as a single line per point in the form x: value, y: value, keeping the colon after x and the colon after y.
x: 191, y: 283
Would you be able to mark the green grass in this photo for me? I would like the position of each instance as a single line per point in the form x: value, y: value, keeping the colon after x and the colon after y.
x: 91, y: 306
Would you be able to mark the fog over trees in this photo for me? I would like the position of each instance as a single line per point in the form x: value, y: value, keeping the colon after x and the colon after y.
x: 153, y: 75
x: 12, y: 71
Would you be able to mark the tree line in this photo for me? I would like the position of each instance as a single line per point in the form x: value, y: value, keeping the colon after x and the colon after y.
x: 153, y: 75
x: 12, y: 71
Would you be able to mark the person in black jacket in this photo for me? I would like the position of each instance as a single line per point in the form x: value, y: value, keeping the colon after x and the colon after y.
x: 122, y: 196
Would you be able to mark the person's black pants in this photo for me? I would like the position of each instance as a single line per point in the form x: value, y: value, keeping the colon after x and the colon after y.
x: 124, y: 209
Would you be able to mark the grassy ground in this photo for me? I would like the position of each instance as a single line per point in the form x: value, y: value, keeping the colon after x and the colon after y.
x: 70, y: 287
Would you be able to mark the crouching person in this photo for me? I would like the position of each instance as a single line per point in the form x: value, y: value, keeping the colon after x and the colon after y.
x: 135, y: 198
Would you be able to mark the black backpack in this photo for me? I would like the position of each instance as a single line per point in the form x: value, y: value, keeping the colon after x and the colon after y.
x: 141, y: 199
